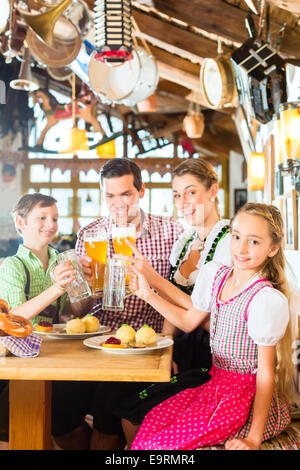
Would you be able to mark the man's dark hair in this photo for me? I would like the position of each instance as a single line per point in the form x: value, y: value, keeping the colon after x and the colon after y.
x: 120, y: 167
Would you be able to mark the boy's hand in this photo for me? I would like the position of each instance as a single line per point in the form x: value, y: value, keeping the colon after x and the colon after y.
x: 64, y: 273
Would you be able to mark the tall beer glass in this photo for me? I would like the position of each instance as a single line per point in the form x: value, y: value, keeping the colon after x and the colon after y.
x: 95, y: 242
x: 121, y: 233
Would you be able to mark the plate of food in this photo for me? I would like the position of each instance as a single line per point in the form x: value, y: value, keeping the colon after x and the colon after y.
x: 128, y: 341
x: 77, y: 328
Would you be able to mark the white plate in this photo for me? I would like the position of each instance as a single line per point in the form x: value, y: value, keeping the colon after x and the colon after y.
x: 59, y: 331
x: 96, y: 342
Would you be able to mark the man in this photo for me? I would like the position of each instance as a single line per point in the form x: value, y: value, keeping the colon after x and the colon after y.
x: 122, y: 188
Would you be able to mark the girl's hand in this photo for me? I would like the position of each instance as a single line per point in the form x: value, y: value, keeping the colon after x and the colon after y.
x: 241, y: 444
x: 138, y: 284
x: 63, y: 275
x: 139, y: 262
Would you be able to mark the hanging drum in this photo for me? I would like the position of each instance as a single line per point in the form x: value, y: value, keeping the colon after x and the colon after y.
x: 78, y: 12
x: 128, y: 83
x: 217, y: 83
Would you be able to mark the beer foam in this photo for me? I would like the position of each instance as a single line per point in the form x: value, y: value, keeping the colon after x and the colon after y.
x: 123, y: 232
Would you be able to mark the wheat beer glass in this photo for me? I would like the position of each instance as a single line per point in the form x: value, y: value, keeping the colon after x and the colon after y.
x: 121, y: 233
x: 95, y: 242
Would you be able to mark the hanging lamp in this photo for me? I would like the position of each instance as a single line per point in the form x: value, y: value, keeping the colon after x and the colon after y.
x: 113, y: 28
x: 73, y: 140
x: 256, y: 171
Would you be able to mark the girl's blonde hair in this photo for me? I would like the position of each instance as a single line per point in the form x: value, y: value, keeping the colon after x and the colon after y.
x: 273, y: 269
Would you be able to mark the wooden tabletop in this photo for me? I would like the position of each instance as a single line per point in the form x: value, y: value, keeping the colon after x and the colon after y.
x: 72, y: 360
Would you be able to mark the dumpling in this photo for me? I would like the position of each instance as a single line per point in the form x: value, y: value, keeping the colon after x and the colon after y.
x: 75, y: 326
x: 126, y: 334
x: 145, y: 335
x: 92, y: 323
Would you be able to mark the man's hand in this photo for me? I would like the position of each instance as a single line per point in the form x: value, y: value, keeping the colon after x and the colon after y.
x: 85, y: 262
x: 241, y: 444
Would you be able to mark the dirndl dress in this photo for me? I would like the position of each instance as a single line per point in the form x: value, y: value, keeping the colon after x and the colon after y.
x: 221, y: 408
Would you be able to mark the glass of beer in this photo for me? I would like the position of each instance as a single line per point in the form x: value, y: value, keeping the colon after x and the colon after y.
x: 95, y: 242
x: 121, y: 233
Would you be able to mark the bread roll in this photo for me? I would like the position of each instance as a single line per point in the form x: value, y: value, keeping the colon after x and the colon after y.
x: 145, y: 335
x: 125, y: 334
x: 75, y: 326
x: 92, y: 323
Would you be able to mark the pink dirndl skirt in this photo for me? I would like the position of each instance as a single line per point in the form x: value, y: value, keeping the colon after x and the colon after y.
x: 197, y: 417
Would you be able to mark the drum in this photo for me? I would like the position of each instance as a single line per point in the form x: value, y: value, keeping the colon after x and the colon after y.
x: 79, y: 13
x: 66, y: 44
x: 217, y: 83
x: 5, y: 13
x: 128, y: 83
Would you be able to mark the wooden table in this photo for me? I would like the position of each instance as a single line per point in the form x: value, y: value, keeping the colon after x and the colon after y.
x: 30, y: 382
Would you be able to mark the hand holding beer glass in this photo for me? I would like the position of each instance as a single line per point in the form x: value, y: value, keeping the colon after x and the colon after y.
x: 95, y: 243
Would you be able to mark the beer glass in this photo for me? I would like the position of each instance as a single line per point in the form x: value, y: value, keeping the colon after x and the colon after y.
x: 95, y: 242
x: 114, y: 285
x: 78, y: 289
x: 121, y: 233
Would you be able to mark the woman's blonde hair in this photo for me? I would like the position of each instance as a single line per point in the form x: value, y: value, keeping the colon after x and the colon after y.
x: 273, y: 269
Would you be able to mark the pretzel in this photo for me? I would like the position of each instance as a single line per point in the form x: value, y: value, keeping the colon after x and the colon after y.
x: 4, y: 307
x: 15, y: 325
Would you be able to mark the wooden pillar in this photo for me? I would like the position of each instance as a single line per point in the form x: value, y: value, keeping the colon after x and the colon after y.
x: 29, y: 411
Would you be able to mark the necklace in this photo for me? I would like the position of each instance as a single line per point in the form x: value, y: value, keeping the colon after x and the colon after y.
x: 201, y: 243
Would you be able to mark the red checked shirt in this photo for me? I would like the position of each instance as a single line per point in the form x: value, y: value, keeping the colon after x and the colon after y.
x: 155, y: 242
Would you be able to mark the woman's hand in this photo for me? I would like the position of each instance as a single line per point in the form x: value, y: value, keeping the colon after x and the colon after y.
x: 64, y: 273
x: 140, y: 263
x: 138, y: 284
x: 241, y: 444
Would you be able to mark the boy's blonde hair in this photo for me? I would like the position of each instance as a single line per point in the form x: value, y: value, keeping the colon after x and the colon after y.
x: 274, y: 270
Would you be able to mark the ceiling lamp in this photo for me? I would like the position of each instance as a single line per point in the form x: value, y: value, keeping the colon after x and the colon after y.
x: 25, y: 82
x: 107, y: 150
x: 73, y: 140
x: 113, y: 29
x: 256, y: 171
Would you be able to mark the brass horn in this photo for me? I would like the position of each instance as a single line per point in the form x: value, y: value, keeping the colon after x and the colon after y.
x: 43, y: 24
x: 25, y: 81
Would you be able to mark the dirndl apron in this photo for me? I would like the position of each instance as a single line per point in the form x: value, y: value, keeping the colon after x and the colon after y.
x: 221, y: 408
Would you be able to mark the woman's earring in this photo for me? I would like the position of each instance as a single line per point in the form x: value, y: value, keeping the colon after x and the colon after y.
x: 212, y: 199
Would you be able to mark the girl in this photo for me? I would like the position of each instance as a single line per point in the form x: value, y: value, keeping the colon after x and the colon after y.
x: 246, y: 399
x: 26, y: 285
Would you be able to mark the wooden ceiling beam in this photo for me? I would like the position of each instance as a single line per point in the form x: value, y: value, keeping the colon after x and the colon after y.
x: 175, y: 40
x: 223, y: 20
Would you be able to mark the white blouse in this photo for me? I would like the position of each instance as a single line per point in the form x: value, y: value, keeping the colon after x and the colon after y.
x: 222, y: 253
x: 268, y: 312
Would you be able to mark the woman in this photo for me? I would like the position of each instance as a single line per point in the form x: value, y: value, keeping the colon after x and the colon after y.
x: 195, y: 187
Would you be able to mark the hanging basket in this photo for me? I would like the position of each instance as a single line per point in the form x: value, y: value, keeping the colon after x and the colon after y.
x: 194, y: 125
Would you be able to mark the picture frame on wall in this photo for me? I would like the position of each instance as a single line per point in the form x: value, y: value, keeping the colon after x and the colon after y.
x: 290, y: 213
x: 240, y: 198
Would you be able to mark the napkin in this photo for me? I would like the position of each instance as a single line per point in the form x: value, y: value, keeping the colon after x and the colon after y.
x: 22, y: 347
